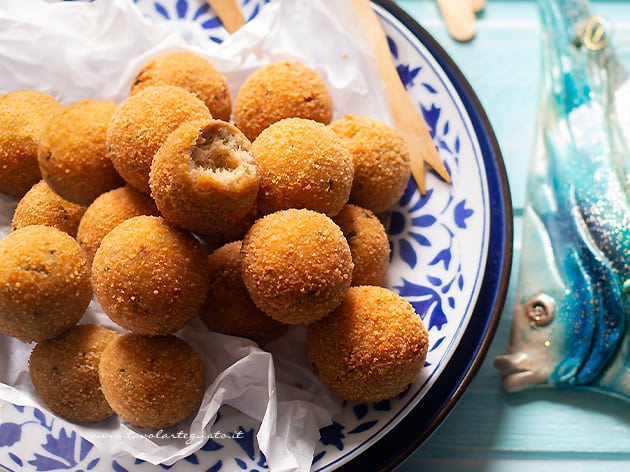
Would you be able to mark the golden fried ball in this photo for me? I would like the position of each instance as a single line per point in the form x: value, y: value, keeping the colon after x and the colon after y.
x: 381, y: 161
x: 64, y: 372
x: 192, y: 72
x: 141, y: 124
x: 280, y: 90
x: 44, y: 283
x: 204, y: 177
x: 152, y: 381
x: 229, y: 308
x: 149, y: 277
x: 23, y: 115
x: 73, y: 156
x: 107, y: 211
x: 302, y: 164
x: 370, y: 348
x: 296, y: 265
x: 368, y: 243
x: 41, y: 206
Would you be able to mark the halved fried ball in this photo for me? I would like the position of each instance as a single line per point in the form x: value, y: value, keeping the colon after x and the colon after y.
x: 284, y: 89
x: 381, y: 161
x: 107, y: 211
x: 204, y: 177
x: 44, y: 283
x: 23, y: 115
x: 141, y: 124
x: 152, y: 381
x: 190, y: 71
x: 41, y: 206
x: 150, y: 277
x: 229, y: 308
x: 296, y: 265
x: 64, y: 372
x: 368, y: 243
x: 73, y: 156
x: 370, y: 348
x: 302, y: 164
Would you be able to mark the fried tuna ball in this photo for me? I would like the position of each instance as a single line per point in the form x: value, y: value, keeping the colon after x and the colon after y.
x: 141, y: 124
x: 64, y: 372
x: 44, y: 283
x: 381, y: 161
x: 192, y: 72
x: 149, y: 277
x: 370, y: 348
x: 368, y: 243
x: 72, y: 155
x: 41, y: 206
x: 296, y: 265
x: 280, y: 90
x: 302, y: 164
x: 229, y: 308
x: 152, y: 381
x: 23, y: 115
x: 107, y: 211
x: 204, y: 178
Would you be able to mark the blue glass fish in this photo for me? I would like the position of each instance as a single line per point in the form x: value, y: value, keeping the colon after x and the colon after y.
x: 570, y: 319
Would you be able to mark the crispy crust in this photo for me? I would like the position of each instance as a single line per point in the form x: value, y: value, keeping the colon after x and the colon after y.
x: 72, y: 152
x: 303, y: 164
x: 44, y: 283
x: 381, y: 161
x: 370, y: 348
x: 280, y: 90
x: 141, y: 124
x: 192, y: 72
x: 149, y: 277
x: 23, y: 115
x: 41, y: 206
x: 368, y: 243
x: 152, y: 381
x: 229, y: 308
x: 64, y: 372
x: 296, y: 265
x: 204, y: 178
x: 107, y: 211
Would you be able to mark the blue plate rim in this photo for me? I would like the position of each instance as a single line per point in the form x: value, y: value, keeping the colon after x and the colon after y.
x: 416, y: 427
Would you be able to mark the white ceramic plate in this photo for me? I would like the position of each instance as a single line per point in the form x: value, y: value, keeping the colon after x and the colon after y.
x: 451, y: 256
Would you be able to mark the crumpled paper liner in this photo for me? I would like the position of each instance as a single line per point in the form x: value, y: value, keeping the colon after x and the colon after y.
x: 79, y: 50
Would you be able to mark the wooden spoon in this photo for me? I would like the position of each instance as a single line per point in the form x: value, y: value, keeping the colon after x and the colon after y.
x: 406, y: 116
x: 459, y: 18
x: 229, y: 13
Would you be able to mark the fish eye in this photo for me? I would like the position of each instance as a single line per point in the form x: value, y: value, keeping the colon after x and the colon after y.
x: 540, y: 310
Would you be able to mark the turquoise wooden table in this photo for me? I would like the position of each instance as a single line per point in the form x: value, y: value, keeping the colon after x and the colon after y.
x: 540, y: 429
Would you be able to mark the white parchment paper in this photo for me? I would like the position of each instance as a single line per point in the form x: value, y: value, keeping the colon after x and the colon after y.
x: 78, y: 50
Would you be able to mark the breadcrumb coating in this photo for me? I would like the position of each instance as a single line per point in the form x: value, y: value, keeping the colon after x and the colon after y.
x: 152, y: 381
x: 229, y: 308
x: 284, y: 89
x: 204, y: 177
x: 192, y: 72
x: 381, y: 161
x: 296, y: 265
x: 44, y: 283
x: 23, y: 115
x: 141, y: 124
x: 303, y: 164
x: 41, y: 206
x: 150, y: 277
x: 370, y: 348
x: 72, y: 154
x: 64, y: 372
x: 368, y: 243
x: 107, y: 211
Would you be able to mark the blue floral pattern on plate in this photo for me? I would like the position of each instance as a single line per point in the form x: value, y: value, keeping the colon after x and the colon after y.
x: 439, y: 243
